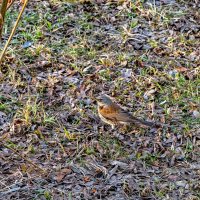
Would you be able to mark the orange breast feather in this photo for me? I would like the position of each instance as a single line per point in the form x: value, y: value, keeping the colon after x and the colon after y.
x: 105, y: 110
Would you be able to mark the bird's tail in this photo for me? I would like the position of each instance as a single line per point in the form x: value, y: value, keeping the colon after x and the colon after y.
x: 142, y: 123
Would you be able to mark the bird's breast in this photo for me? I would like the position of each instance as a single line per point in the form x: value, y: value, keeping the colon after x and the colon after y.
x: 105, y: 110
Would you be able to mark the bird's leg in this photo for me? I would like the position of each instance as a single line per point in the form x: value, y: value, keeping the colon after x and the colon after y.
x: 113, y: 127
x: 127, y: 129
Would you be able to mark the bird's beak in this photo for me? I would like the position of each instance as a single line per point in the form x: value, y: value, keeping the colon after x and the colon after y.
x: 98, y: 99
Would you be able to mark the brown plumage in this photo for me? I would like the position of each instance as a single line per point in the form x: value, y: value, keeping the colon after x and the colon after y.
x: 111, y: 113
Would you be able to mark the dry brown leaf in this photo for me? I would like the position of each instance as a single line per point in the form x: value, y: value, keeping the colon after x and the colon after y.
x: 19, y: 126
x: 86, y: 179
x: 182, y: 69
x: 61, y: 174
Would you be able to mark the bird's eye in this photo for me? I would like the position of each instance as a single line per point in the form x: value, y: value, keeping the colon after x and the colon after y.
x: 100, y: 107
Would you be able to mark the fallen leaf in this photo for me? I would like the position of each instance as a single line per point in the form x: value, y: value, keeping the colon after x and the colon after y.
x: 182, y: 69
x: 149, y: 93
x: 61, y: 174
x: 86, y: 179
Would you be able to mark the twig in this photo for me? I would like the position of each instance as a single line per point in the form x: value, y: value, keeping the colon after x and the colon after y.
x: 13, y: 31
x: 20, y: 155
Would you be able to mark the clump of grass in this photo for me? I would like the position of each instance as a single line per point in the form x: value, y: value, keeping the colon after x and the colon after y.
x: 33, y: 112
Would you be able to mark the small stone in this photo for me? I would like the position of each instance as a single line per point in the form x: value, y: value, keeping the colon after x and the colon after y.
x: 196, y: 114
x: 173, y: 73
x: 192, y: 37
x: 181, y: 183
x: 89, y: 70
x: 126, y: 73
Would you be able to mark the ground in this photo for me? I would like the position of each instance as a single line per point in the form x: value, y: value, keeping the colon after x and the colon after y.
x: 145, y: 54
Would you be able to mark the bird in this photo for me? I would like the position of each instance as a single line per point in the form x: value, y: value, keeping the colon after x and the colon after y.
x: 113, y: 114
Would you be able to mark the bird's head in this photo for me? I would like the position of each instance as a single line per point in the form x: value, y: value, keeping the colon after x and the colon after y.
x: 104, y: 100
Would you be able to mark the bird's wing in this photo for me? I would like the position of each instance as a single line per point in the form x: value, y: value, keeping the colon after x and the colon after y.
x: 116, y: 114
x: 109, y: 113
x: 124, y: 116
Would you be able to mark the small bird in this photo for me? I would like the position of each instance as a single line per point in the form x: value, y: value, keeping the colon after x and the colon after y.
x: 113, y: 114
